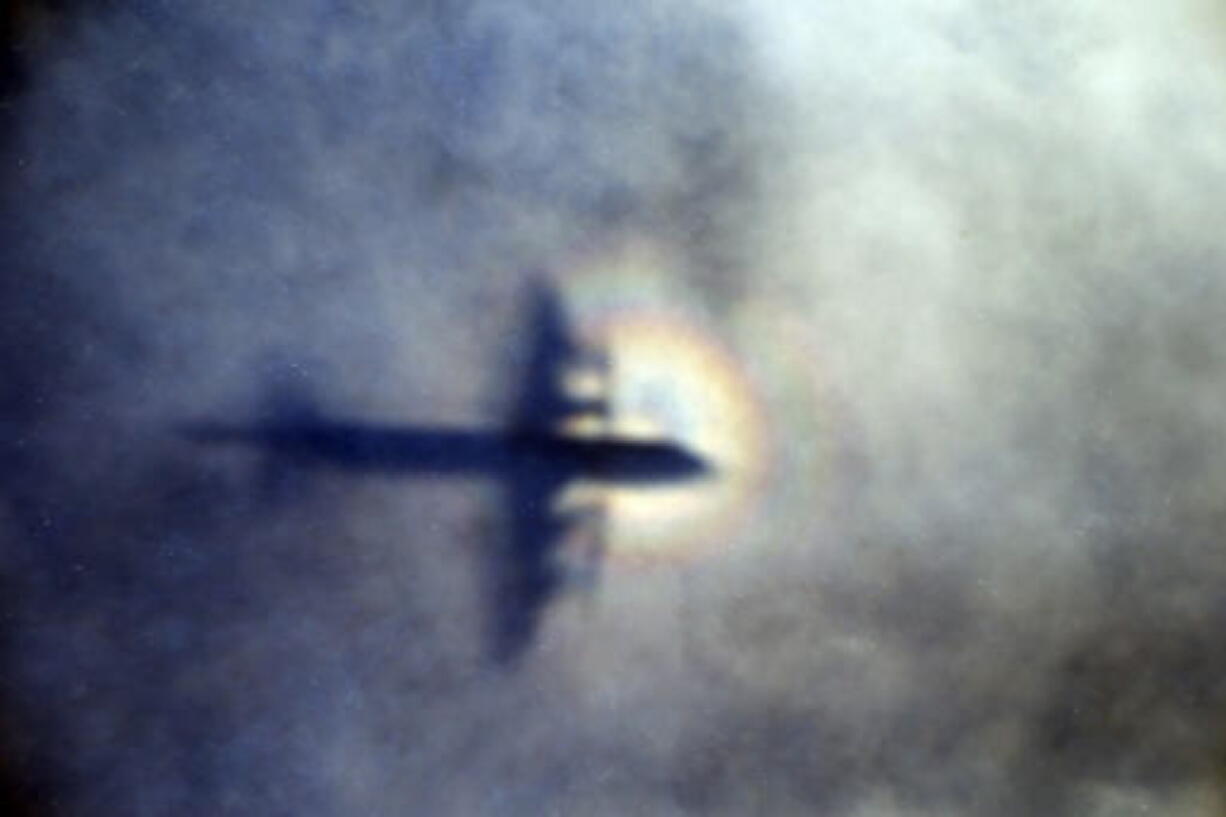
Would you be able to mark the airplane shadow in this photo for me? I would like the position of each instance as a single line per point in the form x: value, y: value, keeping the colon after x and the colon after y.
x: 531, y: 459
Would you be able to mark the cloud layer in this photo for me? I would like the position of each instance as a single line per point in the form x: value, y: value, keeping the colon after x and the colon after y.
x: 968, y: 255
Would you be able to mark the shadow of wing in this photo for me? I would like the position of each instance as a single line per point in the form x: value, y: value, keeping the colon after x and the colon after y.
x: 526, y: 575
x: 543, y: 402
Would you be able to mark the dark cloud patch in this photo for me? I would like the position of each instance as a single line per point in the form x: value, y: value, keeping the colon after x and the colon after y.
x: 206, y: 200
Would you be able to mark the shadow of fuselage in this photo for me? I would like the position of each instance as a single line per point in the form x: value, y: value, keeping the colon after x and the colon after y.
x: 395, y: 450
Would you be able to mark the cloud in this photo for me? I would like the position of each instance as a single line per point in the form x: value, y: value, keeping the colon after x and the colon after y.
x: 966, y: 253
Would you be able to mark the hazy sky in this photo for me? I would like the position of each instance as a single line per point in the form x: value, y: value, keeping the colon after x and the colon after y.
x: 964, y: 260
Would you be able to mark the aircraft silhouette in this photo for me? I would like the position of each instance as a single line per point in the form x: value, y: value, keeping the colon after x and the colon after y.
x: 532, y: 457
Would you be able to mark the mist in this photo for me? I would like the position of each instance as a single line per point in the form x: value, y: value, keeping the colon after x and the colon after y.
x: 967, y: 256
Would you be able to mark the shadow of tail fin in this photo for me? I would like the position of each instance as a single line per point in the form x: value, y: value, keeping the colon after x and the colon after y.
x: 285, y: 406
x: 288, y: 401
x: 289, y: 393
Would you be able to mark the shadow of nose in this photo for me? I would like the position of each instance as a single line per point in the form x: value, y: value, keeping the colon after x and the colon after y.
x: 693, y: 466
